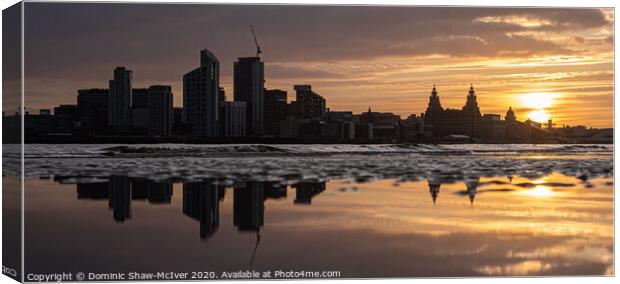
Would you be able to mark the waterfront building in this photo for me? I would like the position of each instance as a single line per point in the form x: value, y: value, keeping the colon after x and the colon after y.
x: 233, y: 119
x: 275, y: 110
x: 34, y: 125
x: 446, y: 122
x: 119, y: 100
x: 160, y: 110
x: 381, y: 125
x: 66, y: 118
x: 248, y: 81
x: 201, y: 93
x: 93, y: 109
x: 493, y: 128
x: 140, y: 109
x: 221, y: 95
x: 310, y: 105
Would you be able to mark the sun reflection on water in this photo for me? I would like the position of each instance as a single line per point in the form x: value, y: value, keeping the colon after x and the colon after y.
x: 540, y: 191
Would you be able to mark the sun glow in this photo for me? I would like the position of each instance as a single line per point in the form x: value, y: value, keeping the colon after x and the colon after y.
x: 540, y: 191
x: 539, y: 102
x: 539, y: 115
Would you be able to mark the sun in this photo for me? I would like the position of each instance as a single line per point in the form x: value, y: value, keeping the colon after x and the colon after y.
x: 540, y: 191
x: 540, y: 103
x: 539, y: 115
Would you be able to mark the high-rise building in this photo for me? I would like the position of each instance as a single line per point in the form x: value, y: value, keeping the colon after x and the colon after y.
x: 310, y: 105
x: 178, y: 116
x: 200, y: 95
x: 119, y: 105
x: 179, y: 126
x: 160, y: 110
x: 275, y: 110
x: 139, y: 97
x: 232, y: 119
x: 249, y: 81
x: 221, y: 95
x: 93, y: 109
x: 140, y: 109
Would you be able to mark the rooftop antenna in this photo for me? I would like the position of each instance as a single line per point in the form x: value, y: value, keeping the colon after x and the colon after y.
x: 258, y: 52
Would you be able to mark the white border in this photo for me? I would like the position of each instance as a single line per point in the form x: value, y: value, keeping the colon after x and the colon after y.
x: 502, y: 3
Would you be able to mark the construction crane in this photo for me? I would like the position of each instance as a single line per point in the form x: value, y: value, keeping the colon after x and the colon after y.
x: 258, y: 52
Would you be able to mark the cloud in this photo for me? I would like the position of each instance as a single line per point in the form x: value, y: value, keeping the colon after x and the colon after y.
x: 96, y: 34
x: 301, y: 73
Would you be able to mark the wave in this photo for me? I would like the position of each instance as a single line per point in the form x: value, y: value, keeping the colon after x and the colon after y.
x: 191, y: 150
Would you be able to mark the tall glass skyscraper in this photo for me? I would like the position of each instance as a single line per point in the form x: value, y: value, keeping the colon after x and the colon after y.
x: 119, y: 106
x: 249, y: 82
x: 200, y: 95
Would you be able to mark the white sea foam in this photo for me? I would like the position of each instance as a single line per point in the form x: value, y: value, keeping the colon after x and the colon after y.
x: 183, y: 150
x: 293, y: 163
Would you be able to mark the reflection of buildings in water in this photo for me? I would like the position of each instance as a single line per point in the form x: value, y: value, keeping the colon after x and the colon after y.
x: 305, y: 191
x: 433, y: 185
x: 472, y: 188
x: 93, y: 191
x: 154, y: 192
x: 121, y: 190
x: 274, y: 191
x: 201, y: 202
x: 249, y: 205
x: 249, y: 208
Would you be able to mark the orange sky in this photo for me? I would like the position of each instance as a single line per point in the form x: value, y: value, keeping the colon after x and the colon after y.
x: 574, y: 88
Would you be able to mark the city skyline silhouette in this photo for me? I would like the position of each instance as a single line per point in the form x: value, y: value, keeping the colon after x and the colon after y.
x: 501, y: 50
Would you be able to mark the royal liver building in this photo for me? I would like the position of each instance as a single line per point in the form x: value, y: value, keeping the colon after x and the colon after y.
x: 466, y: 121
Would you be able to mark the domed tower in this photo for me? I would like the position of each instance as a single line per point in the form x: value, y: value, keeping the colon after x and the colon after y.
x: 472, y: 188
x: 511, y: 125
x: 369, y: 118
x: 510, y: 115
x: 434, y: 109
x: 433, y: 101
x: 471, y: 105
x: 471, y: 115
x: 433, y: 187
